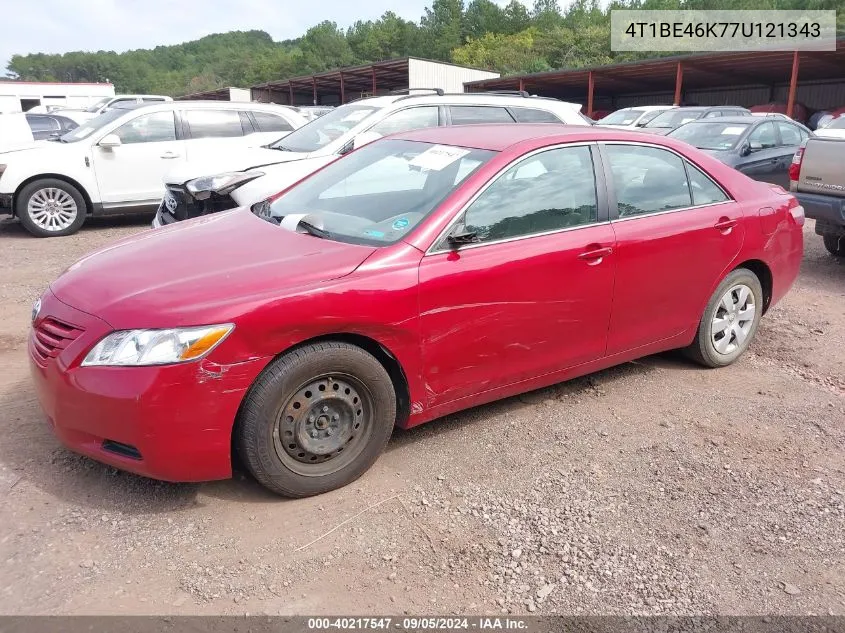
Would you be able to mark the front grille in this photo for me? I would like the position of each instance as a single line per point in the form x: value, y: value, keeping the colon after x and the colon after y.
x: 188, y: 207
x: 51, y: 336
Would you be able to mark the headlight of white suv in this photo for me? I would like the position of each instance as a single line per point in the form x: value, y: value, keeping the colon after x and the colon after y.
x: 134, y: 348
x: 221, y: 184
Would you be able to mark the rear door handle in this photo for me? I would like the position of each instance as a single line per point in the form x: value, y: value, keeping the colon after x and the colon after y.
x: 170, y: 155
x: 596, y: 255
x: 725, y: 225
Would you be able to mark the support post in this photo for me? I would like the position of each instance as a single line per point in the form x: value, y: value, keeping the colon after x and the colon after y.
x: 342, y: 90
x: 314, y: 87
x: 679, y: 81
x: 373, y: 69
x: 521, y: 84
x: 590, y: 88
x: 793, y: 85
x: 290, y: 92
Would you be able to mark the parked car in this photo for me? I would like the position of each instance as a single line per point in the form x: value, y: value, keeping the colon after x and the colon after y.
x: 227, y: 181
x: 835, y: 128
x: 665, y: 122
x: 423, y: 274
x: 761, y: 148
x: 634, y: 117
x: 314, y: 112
x: 817, y: 180
x: 800, y: 112
x: 115, y: 163
x: 107, y: 103
x: 46, y: 126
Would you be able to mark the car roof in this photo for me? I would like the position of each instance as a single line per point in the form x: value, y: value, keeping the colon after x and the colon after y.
x: 471, y: 98
x: 498, y: 137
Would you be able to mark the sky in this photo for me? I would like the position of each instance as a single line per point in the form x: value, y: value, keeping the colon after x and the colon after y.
x: 59, y: 26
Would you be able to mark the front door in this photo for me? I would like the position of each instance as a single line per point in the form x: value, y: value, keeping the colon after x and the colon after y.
x: 132, y: 173
x: 764, y: 163
x: 677, y: 232
x: 533, y: 294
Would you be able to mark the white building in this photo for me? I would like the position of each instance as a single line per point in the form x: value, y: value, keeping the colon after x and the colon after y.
x: 20, y: 96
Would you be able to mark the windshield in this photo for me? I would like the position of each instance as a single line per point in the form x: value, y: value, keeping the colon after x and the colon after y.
x: 377, y: 194
x: 710, y: 135
x: 674, y: 118
x: 98, y: 105
x: 622, y: 117
x: 322, y: 131
x: 89, y: 127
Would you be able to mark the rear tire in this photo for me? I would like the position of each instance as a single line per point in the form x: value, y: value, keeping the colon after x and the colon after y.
x: 730, y: 320
x: 835, y: 244
x: 50, y: 207
x: 316, y: 419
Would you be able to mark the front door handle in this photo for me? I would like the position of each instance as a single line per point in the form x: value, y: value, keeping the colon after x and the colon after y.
x: 725, y: 225
x: 170, y: 155
x: 595, y: 255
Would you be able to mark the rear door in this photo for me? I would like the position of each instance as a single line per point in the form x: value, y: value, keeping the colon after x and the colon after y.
x: 676, y: 233
x: 790, y: 137
x: 533, y: 294
x: 208, y: 130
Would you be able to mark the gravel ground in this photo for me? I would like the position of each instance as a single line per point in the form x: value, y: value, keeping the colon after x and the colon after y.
x: 656, y: 487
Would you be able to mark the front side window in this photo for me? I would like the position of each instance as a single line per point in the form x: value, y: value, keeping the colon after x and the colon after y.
x: 469, y: 115
x: 213, y: 123
x: 647, y: 179
x: 379, y: 193
x: 712, y: 115
x: 552, y: 190
x: 155, y: 127
x: 271, y: 122
x: 408, y: 119
x: 763, y: 137
x: 712, y: 135
x: 322, y: 131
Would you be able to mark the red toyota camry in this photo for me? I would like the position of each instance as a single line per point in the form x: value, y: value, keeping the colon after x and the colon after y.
x: 419, y: 275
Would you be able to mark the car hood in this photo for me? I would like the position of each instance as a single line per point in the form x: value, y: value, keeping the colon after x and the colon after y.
x: 238, y: 160
x: 278, y: 177
x: 207, y: 270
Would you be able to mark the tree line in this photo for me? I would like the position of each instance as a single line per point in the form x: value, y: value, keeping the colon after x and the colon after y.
x: 508, y: 39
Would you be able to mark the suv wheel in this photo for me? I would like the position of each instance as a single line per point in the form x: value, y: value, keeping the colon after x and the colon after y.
x: 50, y: 208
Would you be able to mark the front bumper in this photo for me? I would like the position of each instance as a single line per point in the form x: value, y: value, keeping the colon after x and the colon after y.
x: 6, y: 203
x: 824, y: 209
x: 171, y: 422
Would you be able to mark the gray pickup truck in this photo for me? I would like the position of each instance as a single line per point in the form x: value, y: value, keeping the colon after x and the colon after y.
x: 817, y: 179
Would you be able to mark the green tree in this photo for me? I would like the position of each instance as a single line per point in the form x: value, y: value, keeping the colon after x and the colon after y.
x: 441, y: 26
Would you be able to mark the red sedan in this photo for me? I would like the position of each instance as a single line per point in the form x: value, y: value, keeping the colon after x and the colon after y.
x: 419, y: 275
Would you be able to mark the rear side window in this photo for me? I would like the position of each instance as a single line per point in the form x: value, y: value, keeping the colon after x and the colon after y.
x: 704, y: 190
x: 647, y: 179
x: 42, y: 123
x: 213, y: 123
x: 532, y: 115
x: 545, y: 192
x: 271, y: 122
x: 148, y: 99
x: 790, y: 134
x: 408, y: 119
x: 468, y: 115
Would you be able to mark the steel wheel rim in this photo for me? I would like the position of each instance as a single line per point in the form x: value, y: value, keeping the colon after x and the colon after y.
x: 733, y: 319
x: 52, y: 209
x: 324, y: 426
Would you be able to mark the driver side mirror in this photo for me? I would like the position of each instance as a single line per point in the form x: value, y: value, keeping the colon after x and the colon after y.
x: 365, y: 138
x: 462, y: 237
x: 754, y: 146
x: 110, y: 141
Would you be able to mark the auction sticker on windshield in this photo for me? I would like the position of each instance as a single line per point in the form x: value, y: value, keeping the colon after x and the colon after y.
x: 734, y: 131
x: 438, y: 157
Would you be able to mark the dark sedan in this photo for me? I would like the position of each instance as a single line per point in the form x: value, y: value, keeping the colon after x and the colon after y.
x: 669, y: 120
x: 761, y: 149
x: 45, y: 126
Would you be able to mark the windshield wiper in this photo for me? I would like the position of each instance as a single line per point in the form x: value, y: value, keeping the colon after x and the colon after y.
x: 313, y: 230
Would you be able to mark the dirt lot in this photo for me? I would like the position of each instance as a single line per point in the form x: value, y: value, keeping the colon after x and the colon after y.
x: 654, y: 487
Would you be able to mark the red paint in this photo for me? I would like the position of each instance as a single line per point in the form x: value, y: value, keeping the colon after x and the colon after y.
x: 590, y: 88
x: 793, y: 85
x: 679, y: 80
x: 467, y: 326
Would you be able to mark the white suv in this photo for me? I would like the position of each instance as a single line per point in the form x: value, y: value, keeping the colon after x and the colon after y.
x: 227, y: 181
x: 115, y: 162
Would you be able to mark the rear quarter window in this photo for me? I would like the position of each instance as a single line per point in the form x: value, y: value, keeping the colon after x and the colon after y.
x: 533, y: 115
x: 468, y: 115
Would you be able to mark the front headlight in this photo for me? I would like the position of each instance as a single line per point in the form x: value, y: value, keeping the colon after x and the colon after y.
x: 2, y: 169
x: 133, y: 348
x: 221, y: 184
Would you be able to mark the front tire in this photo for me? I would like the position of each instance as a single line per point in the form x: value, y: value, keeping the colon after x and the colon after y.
x: 730, y: 320
x: 316, y: 419
x: 835, y: 244
x: 51, y: 208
